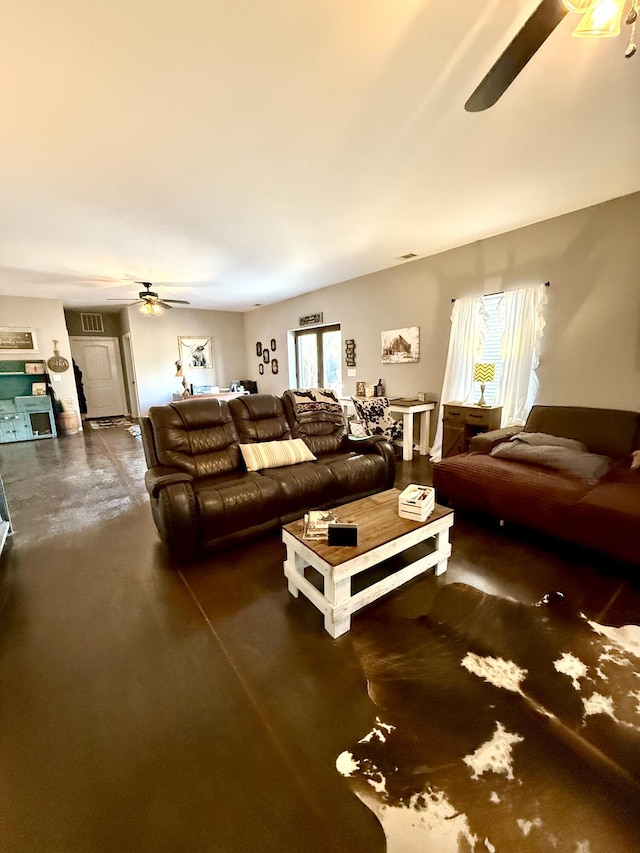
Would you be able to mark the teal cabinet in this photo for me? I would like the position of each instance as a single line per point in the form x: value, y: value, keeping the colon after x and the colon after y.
x: 14, y: 427
x: 23, y: 416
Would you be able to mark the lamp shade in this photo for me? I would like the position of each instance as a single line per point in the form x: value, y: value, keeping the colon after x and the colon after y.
x: 484, y: 372
x: 150, y: 309
x: 579, y: 5
x: 602, y: 20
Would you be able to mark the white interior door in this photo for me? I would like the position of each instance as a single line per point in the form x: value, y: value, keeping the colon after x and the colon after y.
x: 99, y: 361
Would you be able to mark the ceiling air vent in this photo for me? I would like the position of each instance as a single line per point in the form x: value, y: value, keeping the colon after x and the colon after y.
x: 91, y: 322
x: 407, y: 257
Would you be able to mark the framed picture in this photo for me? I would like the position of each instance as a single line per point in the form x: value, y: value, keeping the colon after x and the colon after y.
x: 265, y: 356
x: 401, y: 346
x: 273, y: 344
x: 33, y: 368
x: 38, y: 389
x: 274, y: 365
x: 258, y: 349
x: 361, y: 389
x: 195, y: 352
x: 18, y: 339
x: 261, y: 369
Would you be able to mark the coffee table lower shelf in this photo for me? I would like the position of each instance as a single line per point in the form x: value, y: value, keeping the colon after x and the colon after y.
x: 336, y: 601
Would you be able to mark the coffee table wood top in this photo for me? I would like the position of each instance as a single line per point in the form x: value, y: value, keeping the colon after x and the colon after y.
x: 378, y: 523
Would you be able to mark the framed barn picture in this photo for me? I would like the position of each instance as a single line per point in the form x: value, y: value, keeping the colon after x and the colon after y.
x: 401, y: 346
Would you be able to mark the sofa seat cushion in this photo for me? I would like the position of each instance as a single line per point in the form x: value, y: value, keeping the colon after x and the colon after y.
x: 302, y: 486
x: 355, y: 472
x: 229, y: 504
x: 607, y: 518
x: 513, y: 491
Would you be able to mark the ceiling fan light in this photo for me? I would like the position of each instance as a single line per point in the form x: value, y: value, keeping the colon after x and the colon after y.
x: 580, y: 6
x: 150, y: 308
x: 601, y: 21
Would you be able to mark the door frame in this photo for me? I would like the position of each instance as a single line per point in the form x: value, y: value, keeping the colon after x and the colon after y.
x: 131, y: 383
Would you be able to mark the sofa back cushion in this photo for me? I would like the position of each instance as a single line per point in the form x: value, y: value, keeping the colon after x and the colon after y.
x: 260, y: 417
x: 196, y: 436
x: 610, y: 432
x: 315, y: 416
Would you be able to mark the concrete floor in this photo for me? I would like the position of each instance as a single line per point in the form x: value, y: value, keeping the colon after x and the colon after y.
x: 149, y: 708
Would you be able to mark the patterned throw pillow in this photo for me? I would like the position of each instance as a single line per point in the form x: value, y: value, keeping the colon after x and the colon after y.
x: 377, y: 417
x: 274, y: 454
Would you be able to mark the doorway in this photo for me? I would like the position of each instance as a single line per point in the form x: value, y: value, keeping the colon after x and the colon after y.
x: 99, y: 361
x: 130, y: 376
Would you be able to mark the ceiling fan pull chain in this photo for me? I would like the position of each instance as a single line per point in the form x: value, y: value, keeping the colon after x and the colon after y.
x: 632, y: 19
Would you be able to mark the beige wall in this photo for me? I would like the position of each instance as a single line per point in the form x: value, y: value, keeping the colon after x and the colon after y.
x: 155, y: 350
x: 46, y: 316
x: 591, y: 348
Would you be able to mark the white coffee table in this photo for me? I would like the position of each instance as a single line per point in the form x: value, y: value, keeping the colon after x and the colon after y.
x: 381, y: 534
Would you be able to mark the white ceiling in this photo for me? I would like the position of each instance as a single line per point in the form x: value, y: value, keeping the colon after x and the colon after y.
x: 244, y: 152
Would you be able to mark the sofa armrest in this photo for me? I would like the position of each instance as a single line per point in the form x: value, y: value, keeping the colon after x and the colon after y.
x: 484, y: 442
x: 159, y: 477
x: 373, y: 444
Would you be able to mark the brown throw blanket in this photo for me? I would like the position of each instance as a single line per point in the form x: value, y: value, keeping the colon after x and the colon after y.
x: 316, y: 404
x: 559, y: 454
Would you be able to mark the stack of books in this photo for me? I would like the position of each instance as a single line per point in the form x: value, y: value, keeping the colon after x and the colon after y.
x: 316, y: 523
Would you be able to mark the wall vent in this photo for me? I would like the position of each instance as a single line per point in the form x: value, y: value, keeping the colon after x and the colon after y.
x: 406, y: 257
x: 92, y: 322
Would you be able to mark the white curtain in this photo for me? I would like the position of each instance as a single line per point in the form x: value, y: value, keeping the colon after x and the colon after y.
x: 521, y: 315
x: 468, y: 327
x: 523, y: 323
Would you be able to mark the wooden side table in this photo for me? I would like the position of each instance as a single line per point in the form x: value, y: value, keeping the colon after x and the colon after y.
x: 460, y: 423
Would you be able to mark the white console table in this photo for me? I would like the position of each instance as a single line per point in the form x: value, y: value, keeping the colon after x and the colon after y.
x: 407, y: 410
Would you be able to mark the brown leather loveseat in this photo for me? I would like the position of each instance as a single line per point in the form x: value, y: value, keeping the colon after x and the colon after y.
x: 593, y: 501
x: 203, y: 496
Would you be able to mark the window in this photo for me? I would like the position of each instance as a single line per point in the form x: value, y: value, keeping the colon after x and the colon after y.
x: 505, y: 329
x: 318, y: 358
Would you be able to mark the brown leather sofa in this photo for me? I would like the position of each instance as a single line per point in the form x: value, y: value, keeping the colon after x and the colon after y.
x: 603, y: 515
x: 204, y: 498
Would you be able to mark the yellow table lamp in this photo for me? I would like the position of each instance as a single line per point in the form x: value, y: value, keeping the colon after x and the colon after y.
x: 483, y: 373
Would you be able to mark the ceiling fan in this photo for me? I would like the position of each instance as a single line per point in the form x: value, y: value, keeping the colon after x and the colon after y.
x: 601, y: 19
x: 150, y: 302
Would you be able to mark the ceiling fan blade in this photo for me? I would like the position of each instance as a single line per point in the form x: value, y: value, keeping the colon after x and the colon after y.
x: 161, y: 302
x: 126, y: 301
x: 178, y: 301
x: 531, y: 37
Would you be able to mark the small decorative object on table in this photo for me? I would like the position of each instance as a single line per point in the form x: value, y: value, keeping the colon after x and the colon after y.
x: 416, y: 502
x: 340, y: 533
x: 316, y: 523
